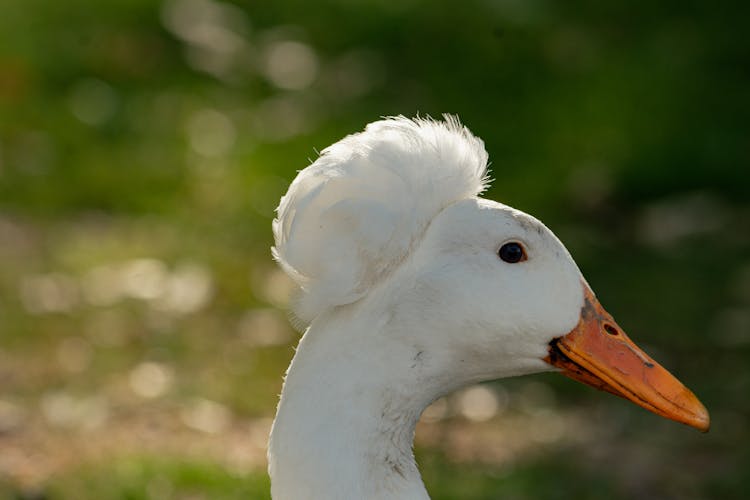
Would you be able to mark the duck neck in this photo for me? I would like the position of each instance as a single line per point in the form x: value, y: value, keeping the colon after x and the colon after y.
x: 345, y: 423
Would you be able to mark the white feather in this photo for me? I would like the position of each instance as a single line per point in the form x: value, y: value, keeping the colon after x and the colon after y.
x: 356, y: 212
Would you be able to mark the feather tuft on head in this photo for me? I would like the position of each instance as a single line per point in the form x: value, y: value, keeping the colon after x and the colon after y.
x: 352, y: 216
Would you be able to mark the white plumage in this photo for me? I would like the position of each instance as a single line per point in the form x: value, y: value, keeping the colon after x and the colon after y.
x: 357, y: 211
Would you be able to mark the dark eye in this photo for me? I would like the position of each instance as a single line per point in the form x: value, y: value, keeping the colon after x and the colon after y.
x: 512, y: 252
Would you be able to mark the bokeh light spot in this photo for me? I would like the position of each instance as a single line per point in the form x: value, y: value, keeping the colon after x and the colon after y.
x: 206, y: 416
x: 150, y: 379
x: 211, y: 133
x: 478, y: 403
x: 92, y: 101
x: 290, y: 65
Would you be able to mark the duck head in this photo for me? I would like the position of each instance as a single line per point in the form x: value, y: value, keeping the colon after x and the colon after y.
x: 506, y: 298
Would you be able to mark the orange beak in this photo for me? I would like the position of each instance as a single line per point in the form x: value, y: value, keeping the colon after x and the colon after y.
x: 598, y: 353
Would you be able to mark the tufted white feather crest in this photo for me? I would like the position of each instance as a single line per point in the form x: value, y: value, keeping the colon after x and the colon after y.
x: 356, y: 212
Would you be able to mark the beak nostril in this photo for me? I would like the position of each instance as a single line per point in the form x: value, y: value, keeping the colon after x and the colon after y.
x: 610, y: 329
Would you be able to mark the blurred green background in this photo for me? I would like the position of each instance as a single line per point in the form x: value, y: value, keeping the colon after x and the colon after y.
x: 145, y: 144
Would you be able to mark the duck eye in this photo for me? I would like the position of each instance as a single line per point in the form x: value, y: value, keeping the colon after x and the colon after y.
x: 512, y: 252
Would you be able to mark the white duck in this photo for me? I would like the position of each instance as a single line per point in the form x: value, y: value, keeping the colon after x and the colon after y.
x: 414, y: 287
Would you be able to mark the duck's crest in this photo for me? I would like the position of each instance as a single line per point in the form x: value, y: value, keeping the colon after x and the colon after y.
x: 356, y: 212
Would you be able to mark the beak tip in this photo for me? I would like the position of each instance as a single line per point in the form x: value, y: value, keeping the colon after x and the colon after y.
x: 703, y: 421
x: 697, y: 416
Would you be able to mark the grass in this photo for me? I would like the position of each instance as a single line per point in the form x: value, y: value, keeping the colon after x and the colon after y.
x: 150, y: 478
